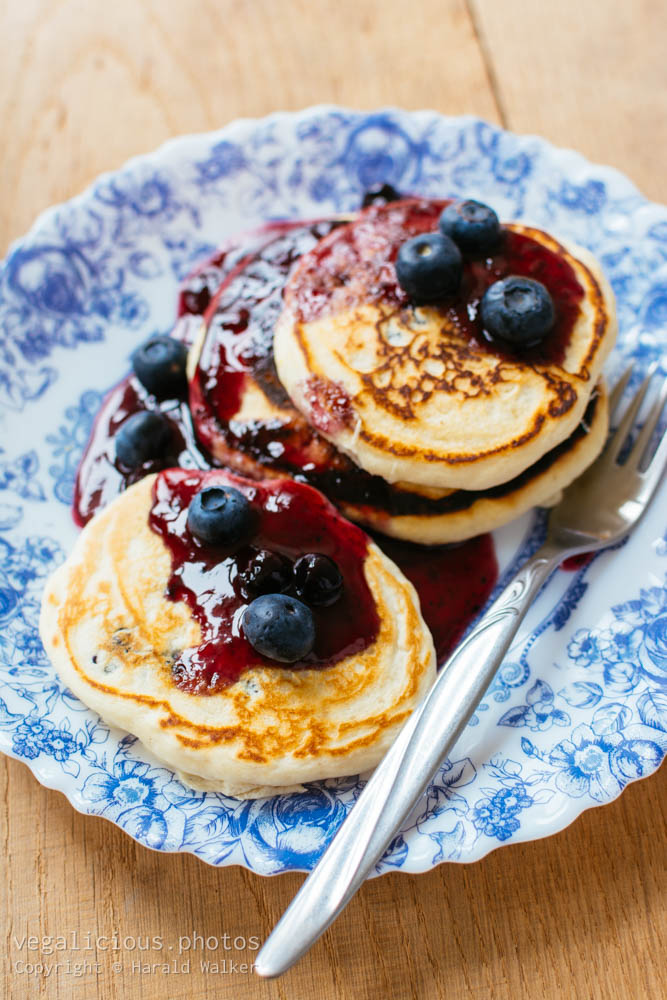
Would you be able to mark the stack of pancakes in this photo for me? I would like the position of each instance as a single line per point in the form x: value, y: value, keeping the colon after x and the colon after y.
x: 410, y: 425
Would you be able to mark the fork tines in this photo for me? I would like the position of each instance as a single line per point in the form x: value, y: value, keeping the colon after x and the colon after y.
x: 637, y: 459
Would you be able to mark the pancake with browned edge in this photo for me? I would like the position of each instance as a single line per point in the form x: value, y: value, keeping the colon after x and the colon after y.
x: 127, y: 637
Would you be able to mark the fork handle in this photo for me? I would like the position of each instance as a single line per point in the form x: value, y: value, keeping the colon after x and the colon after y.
x: 400, y: 780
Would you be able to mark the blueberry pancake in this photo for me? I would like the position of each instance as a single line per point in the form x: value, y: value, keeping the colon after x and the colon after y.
x: 447, y: 364
x: 250, y: 636
x: 244, y: 418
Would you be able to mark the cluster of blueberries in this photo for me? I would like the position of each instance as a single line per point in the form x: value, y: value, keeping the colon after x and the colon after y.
x: 516, y: 310
x: 276, y: 624
x: 159, y: 364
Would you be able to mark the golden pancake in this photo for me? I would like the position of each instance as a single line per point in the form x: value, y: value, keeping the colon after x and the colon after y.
x: 459, y: 514
x: 419, y: 394
x: 116, y: 639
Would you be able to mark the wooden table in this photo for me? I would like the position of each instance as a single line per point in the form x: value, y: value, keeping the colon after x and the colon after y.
x: 85, y: 84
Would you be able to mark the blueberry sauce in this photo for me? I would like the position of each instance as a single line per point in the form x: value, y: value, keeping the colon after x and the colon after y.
x: 291, y: 520
x: 573, y: 563
x: 241, y: 321
x: 100, y: 477
x: 201, y: 284
x: 453, y: 582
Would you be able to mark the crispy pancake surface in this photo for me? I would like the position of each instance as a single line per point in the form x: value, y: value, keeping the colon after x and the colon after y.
x: 419, y: 394
x: 113, y: 637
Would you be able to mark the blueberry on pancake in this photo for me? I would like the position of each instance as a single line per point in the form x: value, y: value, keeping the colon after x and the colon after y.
x: 474, y: 227
x: 429, y: 267
x: 518, y: 311
x: 279, y: 627
x: 220, y: 515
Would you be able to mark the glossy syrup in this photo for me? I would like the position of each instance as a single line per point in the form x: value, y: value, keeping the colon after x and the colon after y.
x: 201, y: 284
x: 289, y: 519
x: 239, y: 345
x: 453, y: 583
x: 574, y: 563
x: 100, y: 477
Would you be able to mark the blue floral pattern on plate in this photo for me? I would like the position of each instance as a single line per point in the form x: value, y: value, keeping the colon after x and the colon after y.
x: 578, y: 710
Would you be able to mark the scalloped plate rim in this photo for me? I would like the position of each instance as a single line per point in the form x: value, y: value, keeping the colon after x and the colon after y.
x: 244, y: 126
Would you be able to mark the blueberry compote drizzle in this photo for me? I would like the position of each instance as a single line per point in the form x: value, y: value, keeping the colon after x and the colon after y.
x: 201, y: 284
x: 574, y: 563
x: 453, y: 582
x: 291, y: 520
x: 241, y: 322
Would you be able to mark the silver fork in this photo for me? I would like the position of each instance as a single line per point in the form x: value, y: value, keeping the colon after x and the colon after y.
x: 597, y: 510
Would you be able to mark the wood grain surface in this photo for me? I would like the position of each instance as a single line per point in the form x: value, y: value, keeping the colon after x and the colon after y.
x: 83, y: 85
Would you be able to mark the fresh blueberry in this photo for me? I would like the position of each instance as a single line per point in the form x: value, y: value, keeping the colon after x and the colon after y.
x: 142, y: 438
x: 220, y: 515
x: 159, y: 364
x: 381, y: 194
x: 518, y: 310
x: 279, y: 627
x: 317, y: 579
x: 474, y: 227
x: 266, y: 573
x: 429, y: 267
